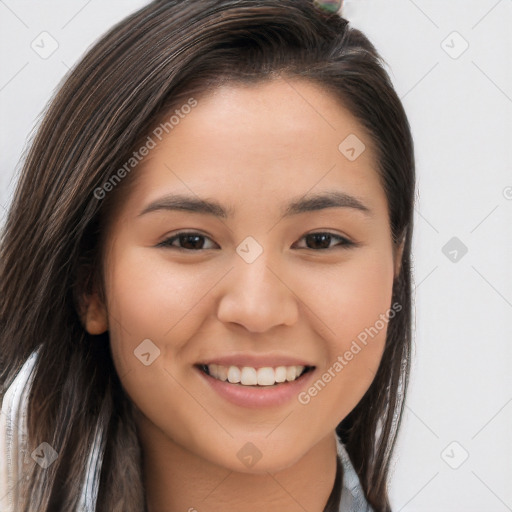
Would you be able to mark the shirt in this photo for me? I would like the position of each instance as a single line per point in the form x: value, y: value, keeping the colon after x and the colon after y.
x: 13, y: 439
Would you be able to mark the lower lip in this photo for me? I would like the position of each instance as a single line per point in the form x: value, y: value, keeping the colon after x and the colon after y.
x: 262, y: 396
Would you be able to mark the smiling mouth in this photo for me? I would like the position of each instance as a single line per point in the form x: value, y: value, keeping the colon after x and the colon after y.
x: 255, y: 377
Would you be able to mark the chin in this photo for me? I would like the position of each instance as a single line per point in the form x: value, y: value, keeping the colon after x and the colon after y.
x: 251, y: 460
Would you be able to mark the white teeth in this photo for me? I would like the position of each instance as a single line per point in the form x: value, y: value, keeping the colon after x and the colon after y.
x: 249, y: 376
x: 222, y: 373
x: 266, y: 376
x: 291, y: 373
x: 280, y: 373
x: 214, y: 370
x: 234, y: 374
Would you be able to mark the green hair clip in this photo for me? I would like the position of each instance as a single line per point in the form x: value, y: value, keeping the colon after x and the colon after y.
x: 329, y: 6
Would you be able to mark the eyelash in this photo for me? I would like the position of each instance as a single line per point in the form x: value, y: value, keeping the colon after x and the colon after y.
x: 345, y: 243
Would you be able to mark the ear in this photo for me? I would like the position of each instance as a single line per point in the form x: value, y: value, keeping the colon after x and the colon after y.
x: 399, y: 251
x: 94, y: 317
x: 90, y: 305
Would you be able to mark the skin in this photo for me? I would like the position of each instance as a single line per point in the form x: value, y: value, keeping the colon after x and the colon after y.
x: 253, y: 149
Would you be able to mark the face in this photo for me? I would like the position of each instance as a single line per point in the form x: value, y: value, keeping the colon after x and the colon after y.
x: 291, y: 267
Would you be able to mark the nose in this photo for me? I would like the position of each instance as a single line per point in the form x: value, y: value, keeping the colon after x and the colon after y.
x: 258, y: 297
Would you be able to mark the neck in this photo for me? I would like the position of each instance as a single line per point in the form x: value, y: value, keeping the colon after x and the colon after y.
x: 177, y: 480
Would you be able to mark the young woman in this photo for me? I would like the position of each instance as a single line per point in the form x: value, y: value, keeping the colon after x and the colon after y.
x: 205, y: 271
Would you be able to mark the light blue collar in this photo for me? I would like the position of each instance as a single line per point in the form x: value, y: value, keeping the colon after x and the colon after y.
x: 352, y: 495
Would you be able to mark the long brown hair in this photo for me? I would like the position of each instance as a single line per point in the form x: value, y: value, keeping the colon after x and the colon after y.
x: 51, y: 245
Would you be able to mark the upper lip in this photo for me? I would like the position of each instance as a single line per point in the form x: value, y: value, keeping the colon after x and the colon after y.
x: 256, y: 361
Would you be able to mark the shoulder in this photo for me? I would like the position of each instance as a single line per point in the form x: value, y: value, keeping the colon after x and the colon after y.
x: 13, y: 433
x: 13, y: 443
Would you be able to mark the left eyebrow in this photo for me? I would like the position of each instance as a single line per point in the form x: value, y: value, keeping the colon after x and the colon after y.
x: 320, y: 201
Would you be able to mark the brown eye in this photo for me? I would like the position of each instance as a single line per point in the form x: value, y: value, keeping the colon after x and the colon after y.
x: 322, y: 241
x: 188, y: 241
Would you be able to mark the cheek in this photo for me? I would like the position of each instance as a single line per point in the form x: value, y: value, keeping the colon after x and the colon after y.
x: 363, y: 293
x: 354, y: 304
x: 149, y: 299
x: 349, y: 297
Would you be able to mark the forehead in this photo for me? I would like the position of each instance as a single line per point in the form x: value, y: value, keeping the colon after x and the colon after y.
x: 285, y: 112
x: 280, y: 137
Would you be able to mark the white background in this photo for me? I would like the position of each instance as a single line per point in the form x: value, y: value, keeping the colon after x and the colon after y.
x: 460, y: 109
